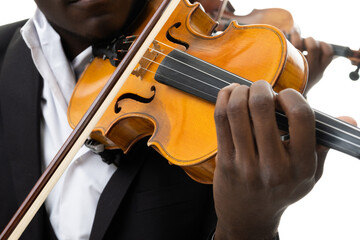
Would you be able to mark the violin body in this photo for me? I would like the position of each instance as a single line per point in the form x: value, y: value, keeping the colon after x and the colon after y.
x: 277, y: 17
x: 181, y: 125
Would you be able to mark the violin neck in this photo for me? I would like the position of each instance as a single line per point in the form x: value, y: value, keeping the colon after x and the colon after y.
x: 342, y: 51
x: 205, y: 80
x: 331, y: 132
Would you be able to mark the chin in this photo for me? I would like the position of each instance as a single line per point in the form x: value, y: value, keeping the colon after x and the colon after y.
x: 100, y: 36
x: 100, y: 31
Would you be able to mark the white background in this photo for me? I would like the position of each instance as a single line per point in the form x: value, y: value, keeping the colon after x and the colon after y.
x: 332, y: 210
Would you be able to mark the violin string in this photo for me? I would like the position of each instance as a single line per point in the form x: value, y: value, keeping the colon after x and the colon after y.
x: 196, y: 79
x: 321, y: 122
x: 188, y: 65
x: 199, y: 70
x: 230, y: 83
x: 214, y: 66
x: 318, y: 129
x: 146, y: 69
x: 335, y: 128
x: 186, y: 75
x: 316, y: 120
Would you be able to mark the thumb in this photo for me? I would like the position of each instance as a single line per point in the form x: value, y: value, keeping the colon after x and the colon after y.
x: 348, y: 119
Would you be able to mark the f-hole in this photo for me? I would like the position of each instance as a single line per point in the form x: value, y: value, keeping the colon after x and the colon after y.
x: 135, y: 97
x: 173, y: 39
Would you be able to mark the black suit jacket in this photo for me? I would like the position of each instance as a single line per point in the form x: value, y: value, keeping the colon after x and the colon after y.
x: 146, y: 198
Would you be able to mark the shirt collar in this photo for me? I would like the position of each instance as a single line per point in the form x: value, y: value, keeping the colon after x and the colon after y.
x: 49, y: 57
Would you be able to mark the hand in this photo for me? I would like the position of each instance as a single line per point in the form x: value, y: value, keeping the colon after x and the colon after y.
x: 257, y: 175
x: 318, y: 54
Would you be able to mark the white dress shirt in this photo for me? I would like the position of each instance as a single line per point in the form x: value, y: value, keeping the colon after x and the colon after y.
x: 72, y: 203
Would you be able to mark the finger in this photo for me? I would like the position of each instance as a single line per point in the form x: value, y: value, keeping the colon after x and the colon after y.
x: 297, y: 41
x: 321, y: 152
x: 240, y: 124
x: 327, y: 54
x: 348, y: 120
x: 313, y: 51
x: 223, y: 131
x: 301, y: 123
x: 262, y: 110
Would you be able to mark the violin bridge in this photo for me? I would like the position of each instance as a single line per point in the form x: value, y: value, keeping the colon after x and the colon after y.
x: 149, y: 57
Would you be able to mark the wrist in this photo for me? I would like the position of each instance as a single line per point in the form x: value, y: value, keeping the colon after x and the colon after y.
x: 246, y: 232
x: 276, y: 237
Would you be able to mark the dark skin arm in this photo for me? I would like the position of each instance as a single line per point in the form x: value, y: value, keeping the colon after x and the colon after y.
x: 257, y: 175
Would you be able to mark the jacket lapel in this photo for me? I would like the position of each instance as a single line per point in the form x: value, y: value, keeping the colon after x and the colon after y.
x: 113, y: 195
x: 20, y: 92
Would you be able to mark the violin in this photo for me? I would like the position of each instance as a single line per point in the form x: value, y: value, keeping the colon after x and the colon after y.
x: 179, y: 66
x: 165, y: 86
x: 224, y: 12
x: 160, y: 100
